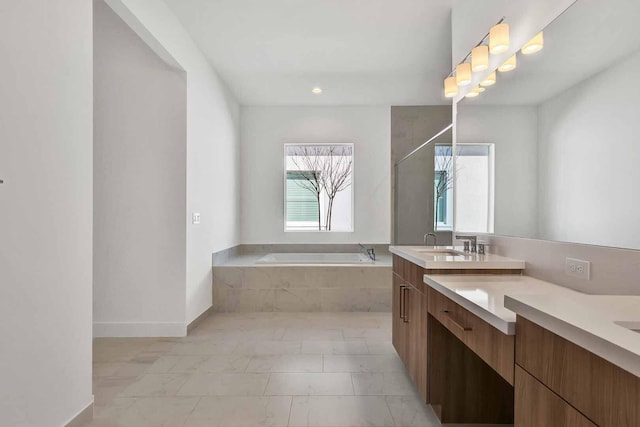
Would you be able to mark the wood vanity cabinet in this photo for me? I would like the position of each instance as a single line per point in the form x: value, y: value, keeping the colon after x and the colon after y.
x: 560, y: 384
x: 409, y: 329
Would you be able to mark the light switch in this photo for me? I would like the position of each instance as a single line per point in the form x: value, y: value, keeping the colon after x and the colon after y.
x: 195, y: 218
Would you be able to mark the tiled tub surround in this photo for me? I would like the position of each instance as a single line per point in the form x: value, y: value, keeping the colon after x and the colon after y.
x: 242, y: 285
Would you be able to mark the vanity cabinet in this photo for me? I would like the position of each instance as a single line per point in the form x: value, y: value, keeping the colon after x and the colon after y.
x: 409, y: 329
x: 561, y: 384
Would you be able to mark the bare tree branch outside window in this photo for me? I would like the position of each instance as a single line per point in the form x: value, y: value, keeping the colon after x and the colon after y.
x: 327, y: 171
x: 443, y: 177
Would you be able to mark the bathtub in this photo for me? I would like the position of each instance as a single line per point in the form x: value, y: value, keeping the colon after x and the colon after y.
x: 315, y: 259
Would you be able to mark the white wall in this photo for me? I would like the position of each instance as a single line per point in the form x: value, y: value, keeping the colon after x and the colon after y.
x: 512, y: 130
x: 265, y: 130
x: 139, y: 185
x: 472, y: 20
x: 589, y: 160
x: 45, y: 211
x: 213, y: 177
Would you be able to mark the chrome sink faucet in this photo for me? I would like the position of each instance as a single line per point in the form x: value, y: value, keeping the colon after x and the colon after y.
x: 435, y: 239
x: 469, y: 241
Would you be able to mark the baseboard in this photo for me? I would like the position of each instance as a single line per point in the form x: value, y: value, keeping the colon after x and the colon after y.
x: 138, y: 329
x: 195, y: 322
x: 82, y: 418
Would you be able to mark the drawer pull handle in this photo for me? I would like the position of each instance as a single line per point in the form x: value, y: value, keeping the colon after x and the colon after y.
x: 456, y: 324
x: 402, y: 288
x: 406, y: 316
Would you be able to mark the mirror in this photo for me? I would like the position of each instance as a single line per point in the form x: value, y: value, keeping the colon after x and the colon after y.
x: 562, y: 133
x: 424, y: 193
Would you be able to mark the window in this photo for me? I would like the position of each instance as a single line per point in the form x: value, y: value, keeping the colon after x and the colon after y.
x: 319, y: 187
x: 475, y: 188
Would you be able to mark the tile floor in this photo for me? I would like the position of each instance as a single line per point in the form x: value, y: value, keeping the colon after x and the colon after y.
x: 259, y: 369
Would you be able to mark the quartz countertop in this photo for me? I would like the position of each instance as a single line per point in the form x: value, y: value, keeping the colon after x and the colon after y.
x: 437, y: 258
x: 602, y: 324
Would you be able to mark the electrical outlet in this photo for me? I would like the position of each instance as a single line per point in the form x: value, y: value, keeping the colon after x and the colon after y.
x: 195, y: 219
x: 578, y: 268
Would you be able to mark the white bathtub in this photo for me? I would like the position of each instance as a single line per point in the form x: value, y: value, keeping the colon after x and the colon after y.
x: 315, y: 259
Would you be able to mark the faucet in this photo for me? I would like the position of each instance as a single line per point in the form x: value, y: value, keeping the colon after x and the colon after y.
x: 469, y: 240
x: 370, y: 252
x: 435, y: 239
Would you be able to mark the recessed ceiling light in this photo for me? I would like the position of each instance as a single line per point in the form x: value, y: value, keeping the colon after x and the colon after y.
x: 316, y: 90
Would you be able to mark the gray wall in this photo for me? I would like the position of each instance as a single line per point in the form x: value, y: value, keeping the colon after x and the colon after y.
x: 412, y: 195
x: 45, y: 211
x: 139, y: 185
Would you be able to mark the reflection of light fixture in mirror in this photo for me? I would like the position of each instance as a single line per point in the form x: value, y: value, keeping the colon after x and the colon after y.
x: 499, y: 38
x: 479, y: 89
x: 480, y: 58
x: 474, y: 92
x: 509, y: 65
x: 463, y: 74
x: 316, y: 90
x: 450, y: 87
x: 490, y: 80
x: 534, y: 45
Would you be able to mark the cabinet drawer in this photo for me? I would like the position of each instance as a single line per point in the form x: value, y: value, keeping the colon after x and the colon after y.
x: 537, y: 406
x: 606, y: 394
x: 494, y: 347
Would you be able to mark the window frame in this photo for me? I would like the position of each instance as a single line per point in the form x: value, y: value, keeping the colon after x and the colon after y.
x: 353, y: 192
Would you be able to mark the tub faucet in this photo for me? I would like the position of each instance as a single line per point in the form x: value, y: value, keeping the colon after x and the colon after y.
x: 370, y: 251
x: 435, y: 239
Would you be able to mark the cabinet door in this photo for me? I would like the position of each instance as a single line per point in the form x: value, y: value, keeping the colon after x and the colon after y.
x: 398, y: 331
x: 536, y: 405
x: 417, y: 341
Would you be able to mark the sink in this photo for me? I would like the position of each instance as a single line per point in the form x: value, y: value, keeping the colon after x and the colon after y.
x: 632, y: 326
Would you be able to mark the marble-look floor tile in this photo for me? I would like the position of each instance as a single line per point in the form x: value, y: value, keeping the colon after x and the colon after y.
x: 367, y: 333
x: 247, y: 384
x: 206, y: 364
x: 288, y: 384
x: 285, y: 363
x: 241, y: 412
x: 156, y: 412
x: 339, y: 411
x: 107, y: 388
x: 380, y: 347
x: 409, y: 411
x: 256, y: 348
x: 191, y: 348
x: 382, y: 384
x: 334, y: 347
x: 313, y: 334
x: 369, y: 363
x: 152, y: 385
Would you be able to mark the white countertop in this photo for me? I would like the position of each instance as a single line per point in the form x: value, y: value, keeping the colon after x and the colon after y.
x: 458, y: 259
x: 586, y: 320
x: 589, y: 321
x: 483, y: 295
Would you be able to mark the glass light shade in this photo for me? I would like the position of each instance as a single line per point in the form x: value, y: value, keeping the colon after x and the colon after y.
x: 463, y: 74
x: 499, y: 38
x: 480, y: 58
x: 534, y: 45
x: 478, y: 89
x: 490, y: 80
x: 472, y: 94
x: 509, y: 65
x: 450, y: 87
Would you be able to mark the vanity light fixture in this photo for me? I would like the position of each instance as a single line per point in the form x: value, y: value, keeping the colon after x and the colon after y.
x: 450, y: 87
x: 316, y: 90
x: 509, y: 65
x: 478, y: 89
x: 472, y: 94
x: 490, y: 80
x: 463, y: 74
x: 534, y: 45
x: 480, y: 58
x: 499, y: 38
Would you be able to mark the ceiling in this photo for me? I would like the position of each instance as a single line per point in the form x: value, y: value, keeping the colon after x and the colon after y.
x: 360, y: 52
x: 586, y: 39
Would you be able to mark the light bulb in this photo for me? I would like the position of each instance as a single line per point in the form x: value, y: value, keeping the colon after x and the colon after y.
x: 480, y: 58
x: 450, y: 87
x: 463, y: 74
x: 534, y: 45
x: 509, y: 65
x: 499, y: 39
x: 490, y: 80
